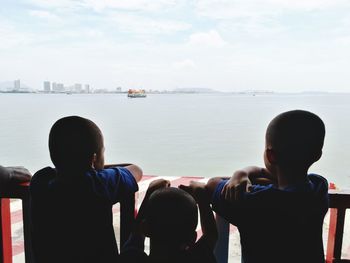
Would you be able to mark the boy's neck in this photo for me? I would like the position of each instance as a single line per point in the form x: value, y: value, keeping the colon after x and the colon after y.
x: 291, y: 177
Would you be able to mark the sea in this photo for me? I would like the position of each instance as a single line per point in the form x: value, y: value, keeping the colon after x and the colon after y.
x: 174, y: 134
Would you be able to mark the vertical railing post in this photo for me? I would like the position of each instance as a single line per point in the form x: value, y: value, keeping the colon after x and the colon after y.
x: 335, y: 234
x: 221, y: 250
x: 27, y: 231
x: 5, y: 231
x: 331, y: 234
x: 127, y: 216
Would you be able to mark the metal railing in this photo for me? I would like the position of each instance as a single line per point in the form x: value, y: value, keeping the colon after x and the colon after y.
x: 339, y: 202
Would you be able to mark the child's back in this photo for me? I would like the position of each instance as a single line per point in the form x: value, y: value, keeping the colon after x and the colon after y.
x: 279, y: 225
x: 169, y: 217
x: 280, y: 222
x: 72, y: 203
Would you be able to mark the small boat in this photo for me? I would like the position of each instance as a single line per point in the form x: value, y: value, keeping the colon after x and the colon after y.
x: 136, y: 93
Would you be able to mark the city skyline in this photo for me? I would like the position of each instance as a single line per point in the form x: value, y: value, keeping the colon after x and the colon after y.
x: 16, y: 86
x: 226, y: 45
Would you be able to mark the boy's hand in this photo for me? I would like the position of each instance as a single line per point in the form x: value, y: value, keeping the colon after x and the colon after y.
x: 242, y: 180
x: 16, y: 174
x: 197, y: 190
x: 238, y: 184
x: 157, y: 184
x: 153, y: 186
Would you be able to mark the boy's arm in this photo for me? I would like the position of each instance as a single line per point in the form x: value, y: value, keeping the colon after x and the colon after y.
x: 135, y: 170
x: 137, y: 237
x: 208, y: 224
x: 14, y: 174
x: 153, y: 186
x: 212, y: 184
x: 241, y: 182
x: 106, y: 166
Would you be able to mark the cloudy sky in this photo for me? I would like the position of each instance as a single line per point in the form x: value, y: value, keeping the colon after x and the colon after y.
x: 228, y: 45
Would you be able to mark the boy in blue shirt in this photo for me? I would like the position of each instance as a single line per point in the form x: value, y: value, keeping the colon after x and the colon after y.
x: 71, y: 204
x: 279, y: 210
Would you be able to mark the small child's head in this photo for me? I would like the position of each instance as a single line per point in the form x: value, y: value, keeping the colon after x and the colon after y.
x: 172, y: 218
x: 76, y: 145
x: 294, y: 140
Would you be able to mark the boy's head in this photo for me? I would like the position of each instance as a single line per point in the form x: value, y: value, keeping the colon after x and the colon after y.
x: 76, y: 145
x: 294, y: 140
x: 172, y: 218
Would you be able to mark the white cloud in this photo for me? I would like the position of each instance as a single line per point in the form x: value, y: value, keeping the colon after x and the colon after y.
x: 344, y: 41
x: 12, y: 38
x: 100, y: 5
x: 140, y: 5
x: 254, y: 27
x: 46, y: 15
x: 63, y: 4
x: 184, y: 64
x: 228, y: 9
x: 144, y: 25
x: 210, y: 39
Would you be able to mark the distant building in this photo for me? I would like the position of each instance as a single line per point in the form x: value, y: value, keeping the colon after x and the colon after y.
x: 100, y: 91
x: 47, y: 86
x: 57, y: 87
x: 60, y: 87
x: 87, y: 88
x: 118, y: 90
x: 17, y: 85
x: 78, y: 87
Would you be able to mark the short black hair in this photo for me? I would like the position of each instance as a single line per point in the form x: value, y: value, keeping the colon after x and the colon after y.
x: 72, y: 142
x: 172, y: 216
x: 297, y: 137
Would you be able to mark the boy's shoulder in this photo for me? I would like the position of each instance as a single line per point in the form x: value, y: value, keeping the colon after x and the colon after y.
x: 42, y: 177
x: 318, y: 180
x: 47, y: 171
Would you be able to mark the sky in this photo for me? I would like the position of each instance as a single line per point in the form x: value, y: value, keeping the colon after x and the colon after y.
x: 226, y: 45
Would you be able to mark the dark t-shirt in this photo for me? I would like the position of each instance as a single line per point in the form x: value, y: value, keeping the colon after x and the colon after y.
x: 72, y: 217
x: 279, y: 225
x: 200, y: 252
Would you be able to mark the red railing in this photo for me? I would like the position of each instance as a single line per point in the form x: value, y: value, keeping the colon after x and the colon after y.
x: 339, y: 202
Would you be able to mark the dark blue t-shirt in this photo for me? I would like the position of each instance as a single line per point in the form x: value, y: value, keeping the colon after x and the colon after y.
x: 72, y: 216
x: 278, y: 225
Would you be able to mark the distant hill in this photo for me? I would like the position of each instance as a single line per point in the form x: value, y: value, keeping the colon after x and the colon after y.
x: 194, y: 90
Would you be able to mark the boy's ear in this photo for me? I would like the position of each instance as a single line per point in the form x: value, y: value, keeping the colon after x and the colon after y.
x: 93, y: 160
x: 271, y: 156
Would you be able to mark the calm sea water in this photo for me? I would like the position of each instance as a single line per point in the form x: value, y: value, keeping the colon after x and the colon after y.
x: 173, y: 135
